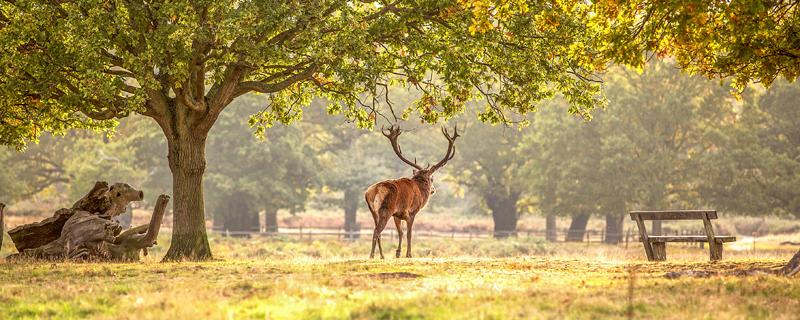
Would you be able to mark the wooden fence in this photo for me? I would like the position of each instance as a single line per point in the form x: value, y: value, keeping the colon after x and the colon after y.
x: 311, y: 233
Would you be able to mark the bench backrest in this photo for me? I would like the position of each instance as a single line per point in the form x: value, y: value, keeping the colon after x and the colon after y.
x: 674, y: 215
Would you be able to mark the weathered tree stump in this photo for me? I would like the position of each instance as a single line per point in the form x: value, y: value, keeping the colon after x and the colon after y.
x: 87, y: 232
x: 101, y: 200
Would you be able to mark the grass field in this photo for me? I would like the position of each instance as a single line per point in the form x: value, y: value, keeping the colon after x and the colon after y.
x: 263, y: 278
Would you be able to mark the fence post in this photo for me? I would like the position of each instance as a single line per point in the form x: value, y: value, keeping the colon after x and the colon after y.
x: 627, y: 237
x: 301, y: 232
x: 702, y: 244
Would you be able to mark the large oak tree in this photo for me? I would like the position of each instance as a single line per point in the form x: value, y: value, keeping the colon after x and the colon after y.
x: 84, y: 63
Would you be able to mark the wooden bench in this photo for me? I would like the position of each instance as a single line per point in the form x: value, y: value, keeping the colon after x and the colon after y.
x: 656, y: 246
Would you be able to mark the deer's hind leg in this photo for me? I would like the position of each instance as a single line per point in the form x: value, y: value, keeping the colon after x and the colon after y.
x: 410, y: 224
x: 399, y: 224
x: 375, y: 230
x: 374, y: 240
x: 376, y: 235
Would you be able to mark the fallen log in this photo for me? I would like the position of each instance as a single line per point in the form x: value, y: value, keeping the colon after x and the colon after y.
x: 101, y: 200
x: 40, y: 233
x: 91, y: 235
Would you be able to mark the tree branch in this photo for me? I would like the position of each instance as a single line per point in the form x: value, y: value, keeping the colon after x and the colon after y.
x: 266, y: 87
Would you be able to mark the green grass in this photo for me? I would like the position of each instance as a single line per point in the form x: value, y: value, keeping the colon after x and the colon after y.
x: 453, y: 279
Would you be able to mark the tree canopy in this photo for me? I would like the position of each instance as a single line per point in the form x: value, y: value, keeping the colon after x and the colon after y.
x: 93, y: 61
x: 182, y: 63
x: 747, y: 40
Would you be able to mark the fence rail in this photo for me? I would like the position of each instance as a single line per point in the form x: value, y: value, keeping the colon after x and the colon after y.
x: 587, y: 236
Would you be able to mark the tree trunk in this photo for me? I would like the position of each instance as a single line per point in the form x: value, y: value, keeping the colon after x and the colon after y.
x: 656, y: 228
x: 504, y: 214
x: 271, y: 219
x: 551, y: 231
x: 239, y: 215
x: 187, y: 161
x: 577, y: 228
x: 614, y: 226
x: 219, y: 218
x: 351, y: 202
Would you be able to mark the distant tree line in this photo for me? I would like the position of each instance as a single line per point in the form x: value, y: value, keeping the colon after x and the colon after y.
x: 666, y: 140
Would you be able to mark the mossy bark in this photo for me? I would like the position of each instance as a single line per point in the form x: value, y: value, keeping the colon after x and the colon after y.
x: 188, y: 163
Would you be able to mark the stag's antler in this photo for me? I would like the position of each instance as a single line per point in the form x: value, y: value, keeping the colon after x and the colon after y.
x: 451, y: 147
x: 392, y: 134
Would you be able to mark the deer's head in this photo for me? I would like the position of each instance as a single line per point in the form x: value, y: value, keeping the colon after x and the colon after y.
x: 423, y: 174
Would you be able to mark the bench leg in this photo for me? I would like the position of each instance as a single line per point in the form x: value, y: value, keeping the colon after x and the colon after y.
x: 716, y: 252
x: 659, y: 251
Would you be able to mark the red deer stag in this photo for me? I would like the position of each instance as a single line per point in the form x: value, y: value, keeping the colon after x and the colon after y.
x: 403, y: 198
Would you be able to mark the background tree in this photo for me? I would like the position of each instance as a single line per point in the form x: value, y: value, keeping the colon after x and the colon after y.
x: 183, y: 63
x: 642, y: 152
x: 562, y: 167
x: 248, y: 175
x: 665, y: 120
x: 489, y: 168
x: 352, y: 164
x: 755, y: 169
x: 39, y: 167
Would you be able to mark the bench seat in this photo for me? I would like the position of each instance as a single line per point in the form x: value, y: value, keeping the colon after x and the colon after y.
x: 656, y: 246
x: 719, y: 239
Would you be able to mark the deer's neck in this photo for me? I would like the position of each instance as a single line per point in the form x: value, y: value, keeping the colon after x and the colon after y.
x: 424, y: 186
